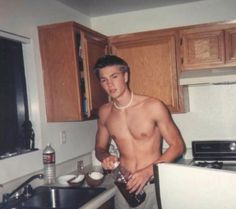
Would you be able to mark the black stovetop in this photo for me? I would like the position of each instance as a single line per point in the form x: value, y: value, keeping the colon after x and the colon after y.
x: 219, y: 154
x: 214, y: 150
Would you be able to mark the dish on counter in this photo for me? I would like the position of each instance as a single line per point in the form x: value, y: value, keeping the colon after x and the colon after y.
x: 94, y: 178
x: 77, y: 181
x: 63, y: 180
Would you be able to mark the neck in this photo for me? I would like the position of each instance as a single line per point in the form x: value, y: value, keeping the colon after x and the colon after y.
x: 121, y: 107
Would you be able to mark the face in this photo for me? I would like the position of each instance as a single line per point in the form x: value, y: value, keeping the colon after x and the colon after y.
x: 113, y: 80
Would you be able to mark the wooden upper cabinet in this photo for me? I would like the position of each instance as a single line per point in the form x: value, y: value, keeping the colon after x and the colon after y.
x: 208, y: 46
x: 230, y: 40
x: 153, y: 68
x: 67, y: 59
x: 202, y: 49
x: 69, y: 51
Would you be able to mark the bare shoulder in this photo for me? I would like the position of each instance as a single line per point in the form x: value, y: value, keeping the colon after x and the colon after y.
x: 150, y: 102
x: 104, y: 111
x: 153, y: 106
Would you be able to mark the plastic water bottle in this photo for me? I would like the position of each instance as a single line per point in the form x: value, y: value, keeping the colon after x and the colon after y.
x: 49, y: 166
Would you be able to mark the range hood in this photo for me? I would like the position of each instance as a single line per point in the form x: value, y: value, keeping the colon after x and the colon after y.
x: 209, y: 76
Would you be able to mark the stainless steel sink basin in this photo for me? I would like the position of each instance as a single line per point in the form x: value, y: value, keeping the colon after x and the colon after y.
x: 60, y: 197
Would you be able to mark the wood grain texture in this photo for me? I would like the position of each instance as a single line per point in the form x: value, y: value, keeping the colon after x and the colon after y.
x: 94, y: 47
x: 230, y: 39
x: 208, y: 46
x: 62, y: 77
x: 152, y: 60
x: 203, y: 49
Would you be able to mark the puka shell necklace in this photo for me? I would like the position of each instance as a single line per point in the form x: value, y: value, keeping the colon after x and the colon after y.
x: 126, y: 106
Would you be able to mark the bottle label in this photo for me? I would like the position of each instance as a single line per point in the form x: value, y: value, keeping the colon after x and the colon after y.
x: 48, y: 158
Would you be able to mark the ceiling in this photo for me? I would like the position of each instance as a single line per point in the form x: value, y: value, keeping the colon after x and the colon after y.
x: 94, y: 8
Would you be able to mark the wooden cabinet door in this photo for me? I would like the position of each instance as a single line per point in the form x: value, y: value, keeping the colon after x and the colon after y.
x: 152, y: 62
x: 63, y: 46
x: 61, y: 79
x: 202, y: 49
x: 230, y: 40
x: 94, y: 46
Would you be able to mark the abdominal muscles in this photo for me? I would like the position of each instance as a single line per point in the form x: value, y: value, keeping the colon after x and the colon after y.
x: 137, y: 153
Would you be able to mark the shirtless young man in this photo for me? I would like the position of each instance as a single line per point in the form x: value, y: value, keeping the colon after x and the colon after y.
x: 137, y: 124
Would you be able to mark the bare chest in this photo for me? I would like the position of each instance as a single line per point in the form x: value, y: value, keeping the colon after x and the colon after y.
x: 130, y: 125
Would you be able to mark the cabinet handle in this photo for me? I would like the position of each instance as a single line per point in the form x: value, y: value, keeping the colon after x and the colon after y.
x: 182, y: 60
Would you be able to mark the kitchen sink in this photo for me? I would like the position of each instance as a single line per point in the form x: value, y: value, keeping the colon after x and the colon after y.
x: 59, y: 197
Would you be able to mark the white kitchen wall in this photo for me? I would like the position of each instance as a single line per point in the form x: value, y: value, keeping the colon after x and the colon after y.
x: 212, y: 113
x: 22, y: 18
x: 212, y: 108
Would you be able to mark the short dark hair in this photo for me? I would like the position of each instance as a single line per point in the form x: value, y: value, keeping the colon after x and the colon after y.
x: 110, y: 60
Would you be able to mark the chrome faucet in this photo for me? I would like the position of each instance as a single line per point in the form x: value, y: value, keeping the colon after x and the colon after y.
x: 7, y: 196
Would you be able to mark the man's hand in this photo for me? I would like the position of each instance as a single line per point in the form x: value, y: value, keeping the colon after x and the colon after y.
x: 108, y: 162
x: 138, y: 180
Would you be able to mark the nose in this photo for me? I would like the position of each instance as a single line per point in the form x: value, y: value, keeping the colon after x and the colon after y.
x: 109, y: 83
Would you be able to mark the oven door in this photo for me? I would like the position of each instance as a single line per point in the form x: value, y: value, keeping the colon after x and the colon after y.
x: 185, y: 187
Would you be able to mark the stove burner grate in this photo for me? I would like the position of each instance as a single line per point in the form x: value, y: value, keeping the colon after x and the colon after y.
x: 215, y: 164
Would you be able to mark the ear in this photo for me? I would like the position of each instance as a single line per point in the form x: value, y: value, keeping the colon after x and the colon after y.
x: 126, y: 77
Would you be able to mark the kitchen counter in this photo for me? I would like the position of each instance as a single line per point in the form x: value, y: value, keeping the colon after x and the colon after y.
x: 102, y: 198
x: 111, y: 188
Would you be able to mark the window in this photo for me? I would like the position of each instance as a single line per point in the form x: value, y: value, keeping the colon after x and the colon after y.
x: 16, y: 133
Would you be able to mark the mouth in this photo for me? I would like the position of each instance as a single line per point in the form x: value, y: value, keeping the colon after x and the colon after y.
x: 112, y: 91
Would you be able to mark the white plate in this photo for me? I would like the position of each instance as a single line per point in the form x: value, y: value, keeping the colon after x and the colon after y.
x: 78, y: 179
x: 63, y: 180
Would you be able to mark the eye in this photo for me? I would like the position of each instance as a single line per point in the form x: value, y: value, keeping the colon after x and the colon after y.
x: 115, y: 76
x: 102, y: 80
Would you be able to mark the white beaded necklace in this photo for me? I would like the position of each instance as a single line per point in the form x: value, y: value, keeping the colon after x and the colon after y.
x: 124, y: 107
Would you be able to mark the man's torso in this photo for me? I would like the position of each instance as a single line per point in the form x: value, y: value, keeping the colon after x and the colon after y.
x: 136, y: 134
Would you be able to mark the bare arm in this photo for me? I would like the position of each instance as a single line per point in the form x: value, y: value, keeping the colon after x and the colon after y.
x: 102, y: 143
x: 171, y: 135
x: 102, y: 140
